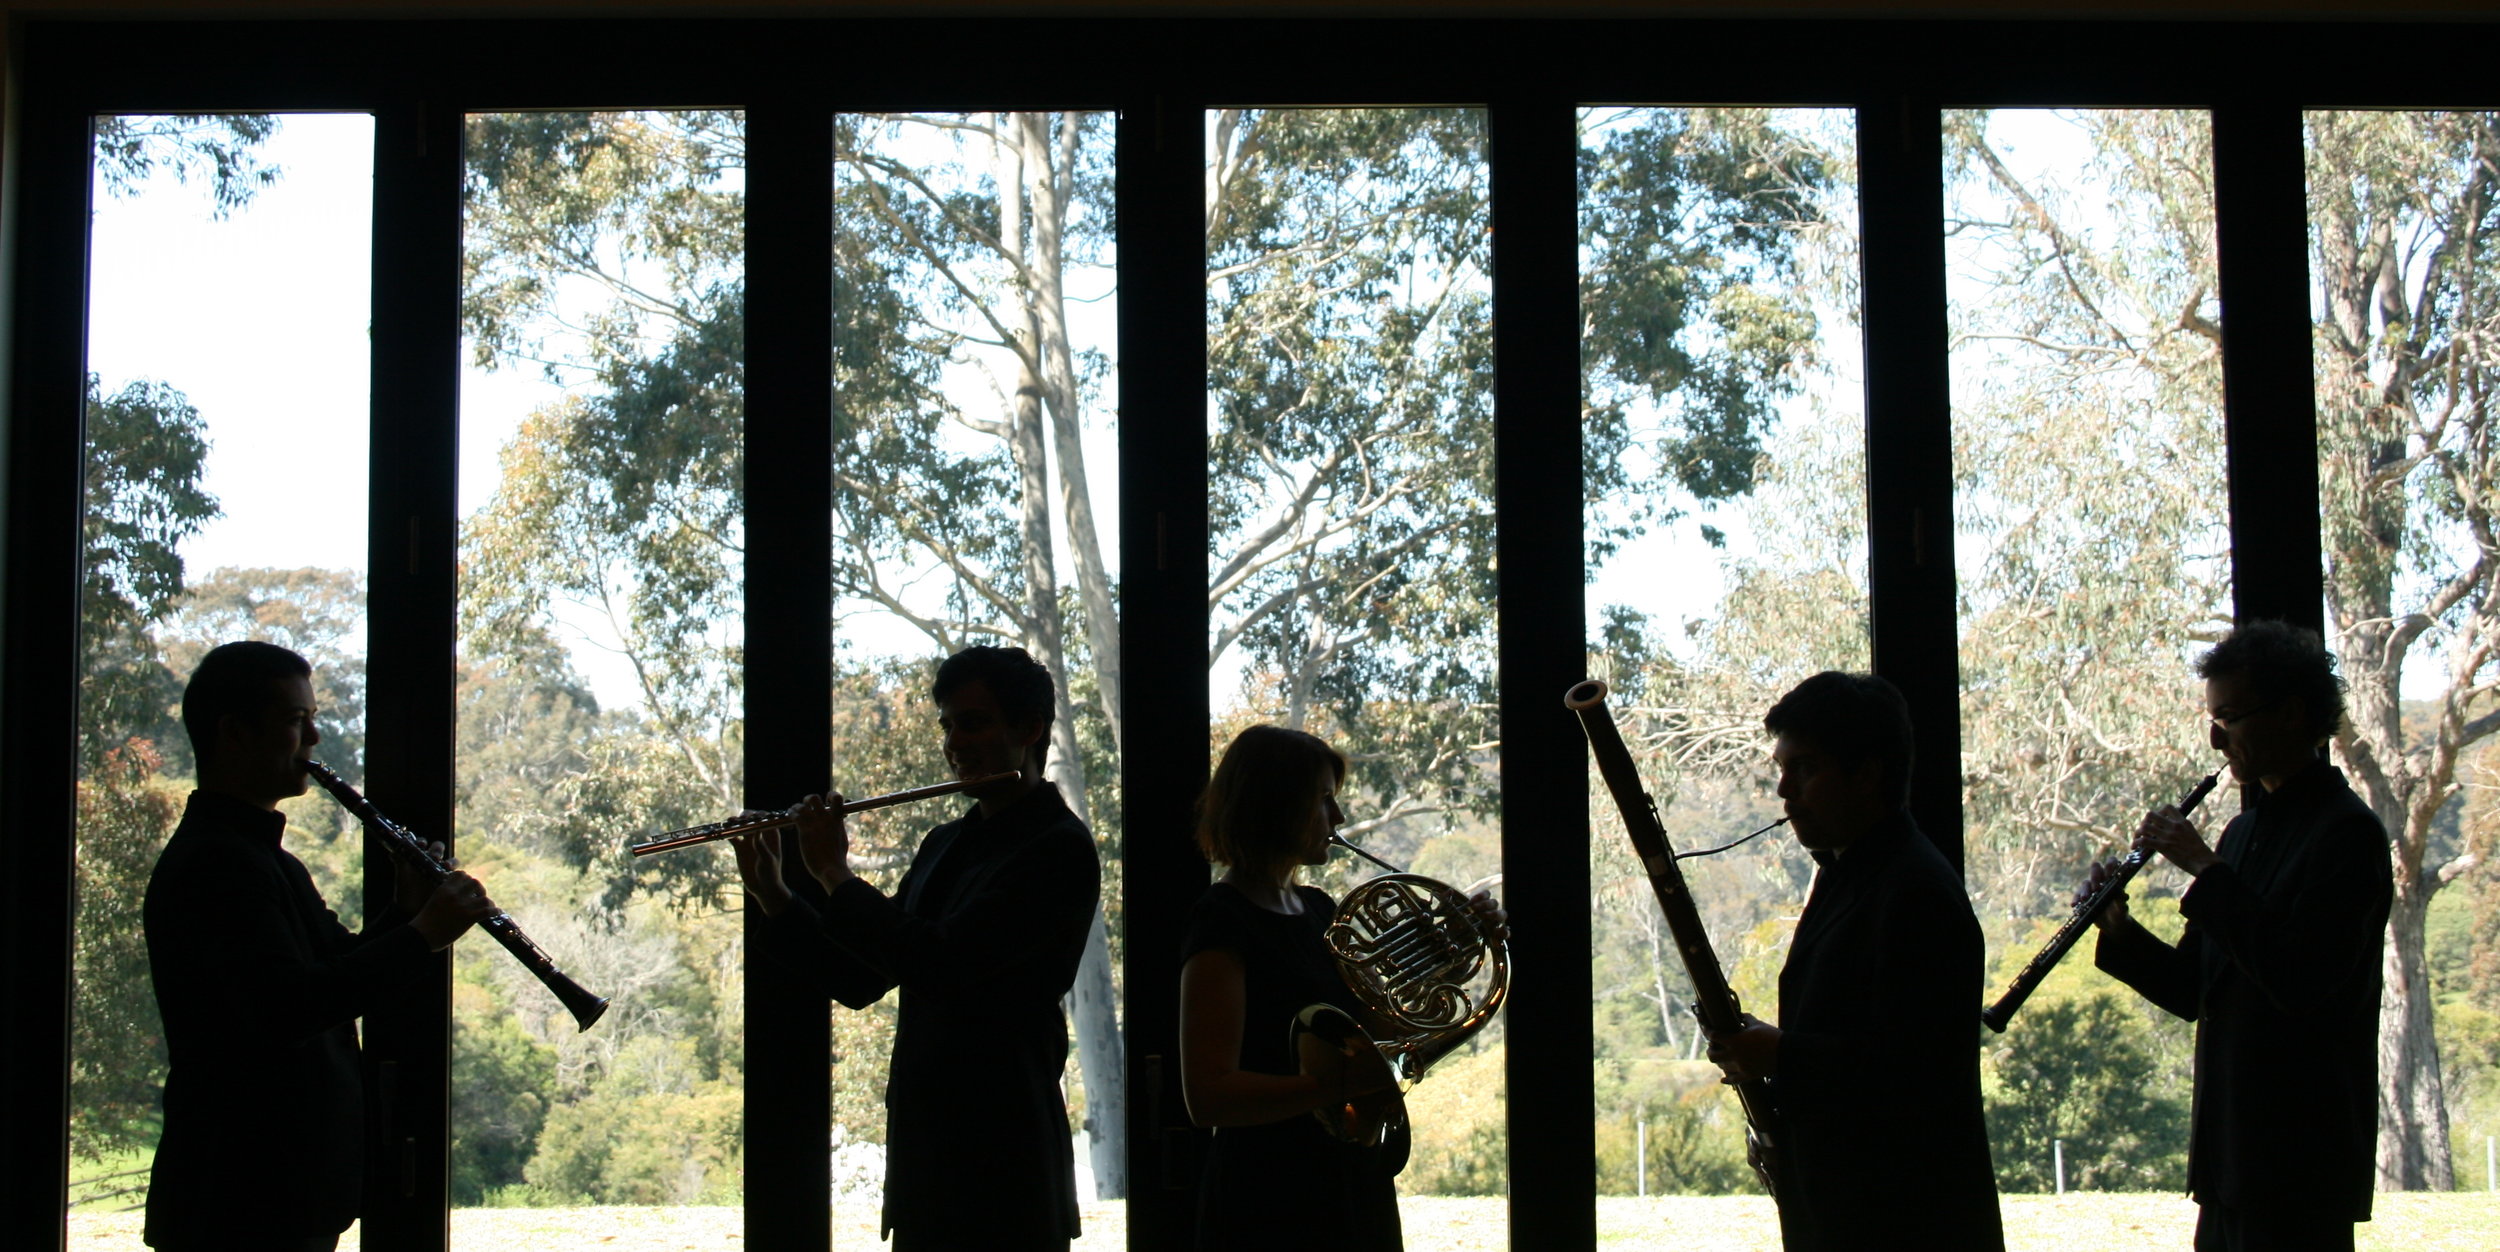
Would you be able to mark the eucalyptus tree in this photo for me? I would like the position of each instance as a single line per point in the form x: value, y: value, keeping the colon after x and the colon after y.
x: 2405, y: 239
x: 2091, y: 529
x: 627, y: 495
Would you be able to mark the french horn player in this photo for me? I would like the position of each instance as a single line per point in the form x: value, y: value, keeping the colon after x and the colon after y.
x: 1293, y: 1045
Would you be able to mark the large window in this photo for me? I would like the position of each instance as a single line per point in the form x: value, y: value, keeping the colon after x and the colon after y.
x: 225, y: 500
x: 976, y: 502
x: 2403, y: 264
x: 2093, y: 546
x: 1727, y: 542
x: 1349, y: 398
x: 2024, y: 501
x: 601, y: 489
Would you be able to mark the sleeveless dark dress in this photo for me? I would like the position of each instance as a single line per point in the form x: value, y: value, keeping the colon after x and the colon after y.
x: 1270, y: 1186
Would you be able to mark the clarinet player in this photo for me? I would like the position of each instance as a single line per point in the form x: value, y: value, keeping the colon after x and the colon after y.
x: 258, y: 983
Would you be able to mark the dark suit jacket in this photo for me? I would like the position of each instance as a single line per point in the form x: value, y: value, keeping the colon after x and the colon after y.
x: 983, y: 935
x: 259, y: 987
x: 2279, y: 969
x: 1882, y: 1141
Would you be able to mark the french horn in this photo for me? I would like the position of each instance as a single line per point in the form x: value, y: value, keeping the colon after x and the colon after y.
x: 1418, y: 961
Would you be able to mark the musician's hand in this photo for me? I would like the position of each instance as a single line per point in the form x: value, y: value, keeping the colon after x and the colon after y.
x: 2117, y: 908
x: 408, y: 891
x: 1491, y: 917
x: 759, y: 868
x: 2173, y: 836
x: 824, y: 840
x: 448, y: 912
x: 1752, y: 1050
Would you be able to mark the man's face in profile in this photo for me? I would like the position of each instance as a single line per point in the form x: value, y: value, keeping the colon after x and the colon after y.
x: 262, y: 753
x: 1828, y: 804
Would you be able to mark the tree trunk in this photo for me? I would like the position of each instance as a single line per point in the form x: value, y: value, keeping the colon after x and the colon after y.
x: 2413, y: 1105
x: 1048, y: 182
x: 1091, y: 1003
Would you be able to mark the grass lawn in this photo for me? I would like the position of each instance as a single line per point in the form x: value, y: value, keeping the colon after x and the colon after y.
x: 2416, y: 1222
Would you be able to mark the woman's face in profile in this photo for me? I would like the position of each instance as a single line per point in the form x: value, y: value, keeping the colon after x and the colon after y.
x: 1326, y: 817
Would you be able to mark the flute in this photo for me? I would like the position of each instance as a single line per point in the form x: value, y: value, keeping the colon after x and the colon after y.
x: 1996, y: 1015
x: 714, y: 832
x: 415, y: 858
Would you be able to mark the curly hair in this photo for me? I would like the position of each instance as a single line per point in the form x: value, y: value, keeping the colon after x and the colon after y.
x: 2282, y: 662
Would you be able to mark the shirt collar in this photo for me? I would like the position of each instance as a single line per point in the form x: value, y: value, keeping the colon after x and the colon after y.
x: 227, y: 813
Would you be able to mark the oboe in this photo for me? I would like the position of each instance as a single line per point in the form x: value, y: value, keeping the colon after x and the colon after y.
x: 415, y: 858
x: 1998, y: 1014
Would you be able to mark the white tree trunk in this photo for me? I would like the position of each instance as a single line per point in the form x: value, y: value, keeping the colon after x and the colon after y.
x: 1091, y: 1003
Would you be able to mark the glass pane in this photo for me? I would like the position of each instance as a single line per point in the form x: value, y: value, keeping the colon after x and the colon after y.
x: 225, y: 499
x: 1727, y: 539
x: 2404, y: 254
x: 1350, y: 436
x: 2093, y: 552
x: 601, y: 501
x: 976, y: 501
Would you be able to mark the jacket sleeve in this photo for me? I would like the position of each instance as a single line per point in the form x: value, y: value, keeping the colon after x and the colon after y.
x: 1031, y: 907
x: 2165, y: 974
x: 2303, y: 942
x: 797, y: 941
x: 226, y: 941
x: 1926, y: 980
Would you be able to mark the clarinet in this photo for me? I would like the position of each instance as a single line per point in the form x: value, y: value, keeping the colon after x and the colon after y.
x: 415, y: 858
x: 1996, y: 1015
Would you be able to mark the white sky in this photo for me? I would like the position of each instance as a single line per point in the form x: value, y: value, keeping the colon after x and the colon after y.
x: 262, y: 320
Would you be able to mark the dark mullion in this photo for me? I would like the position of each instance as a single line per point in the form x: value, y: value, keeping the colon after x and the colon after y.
x: 1545, y: 816
x: 789, y: 644
x: 412, y: 591
x: 1909, y: 445
x: 1163, y: 631
x: 49, y: 178
x: 2269, y: 396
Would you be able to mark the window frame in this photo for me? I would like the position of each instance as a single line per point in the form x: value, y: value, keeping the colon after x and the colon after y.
x: 419, y: 78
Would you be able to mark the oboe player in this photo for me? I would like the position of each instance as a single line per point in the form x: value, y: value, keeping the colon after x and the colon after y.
x: 258, y: 983
x: 2279, y: 964
x: 982, y: 934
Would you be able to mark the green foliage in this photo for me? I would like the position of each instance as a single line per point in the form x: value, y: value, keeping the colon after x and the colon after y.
x: 145, y: 449
x: 117, y: 1042
x: 1694, y: 318
x: 1695, y: 1130
x: 218, y: 148
x: 650, y: 1134
x: 2092, y: 513
x: 1350, y: 465
x: 2081, y: 1069
x: 1460, y: 1115
x: 502, y: 1080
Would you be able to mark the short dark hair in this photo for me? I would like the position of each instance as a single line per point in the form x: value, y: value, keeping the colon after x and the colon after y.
x: 1019, y: 683
x: 1855, y: 718
x: 1262, y: 796
x: 2283, y: 662
x: 233, y: 681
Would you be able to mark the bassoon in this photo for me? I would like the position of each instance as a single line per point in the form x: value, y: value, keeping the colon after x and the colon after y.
x: 1996, y: 1015
x: 1714, y: 1001
x: 415, y: 858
